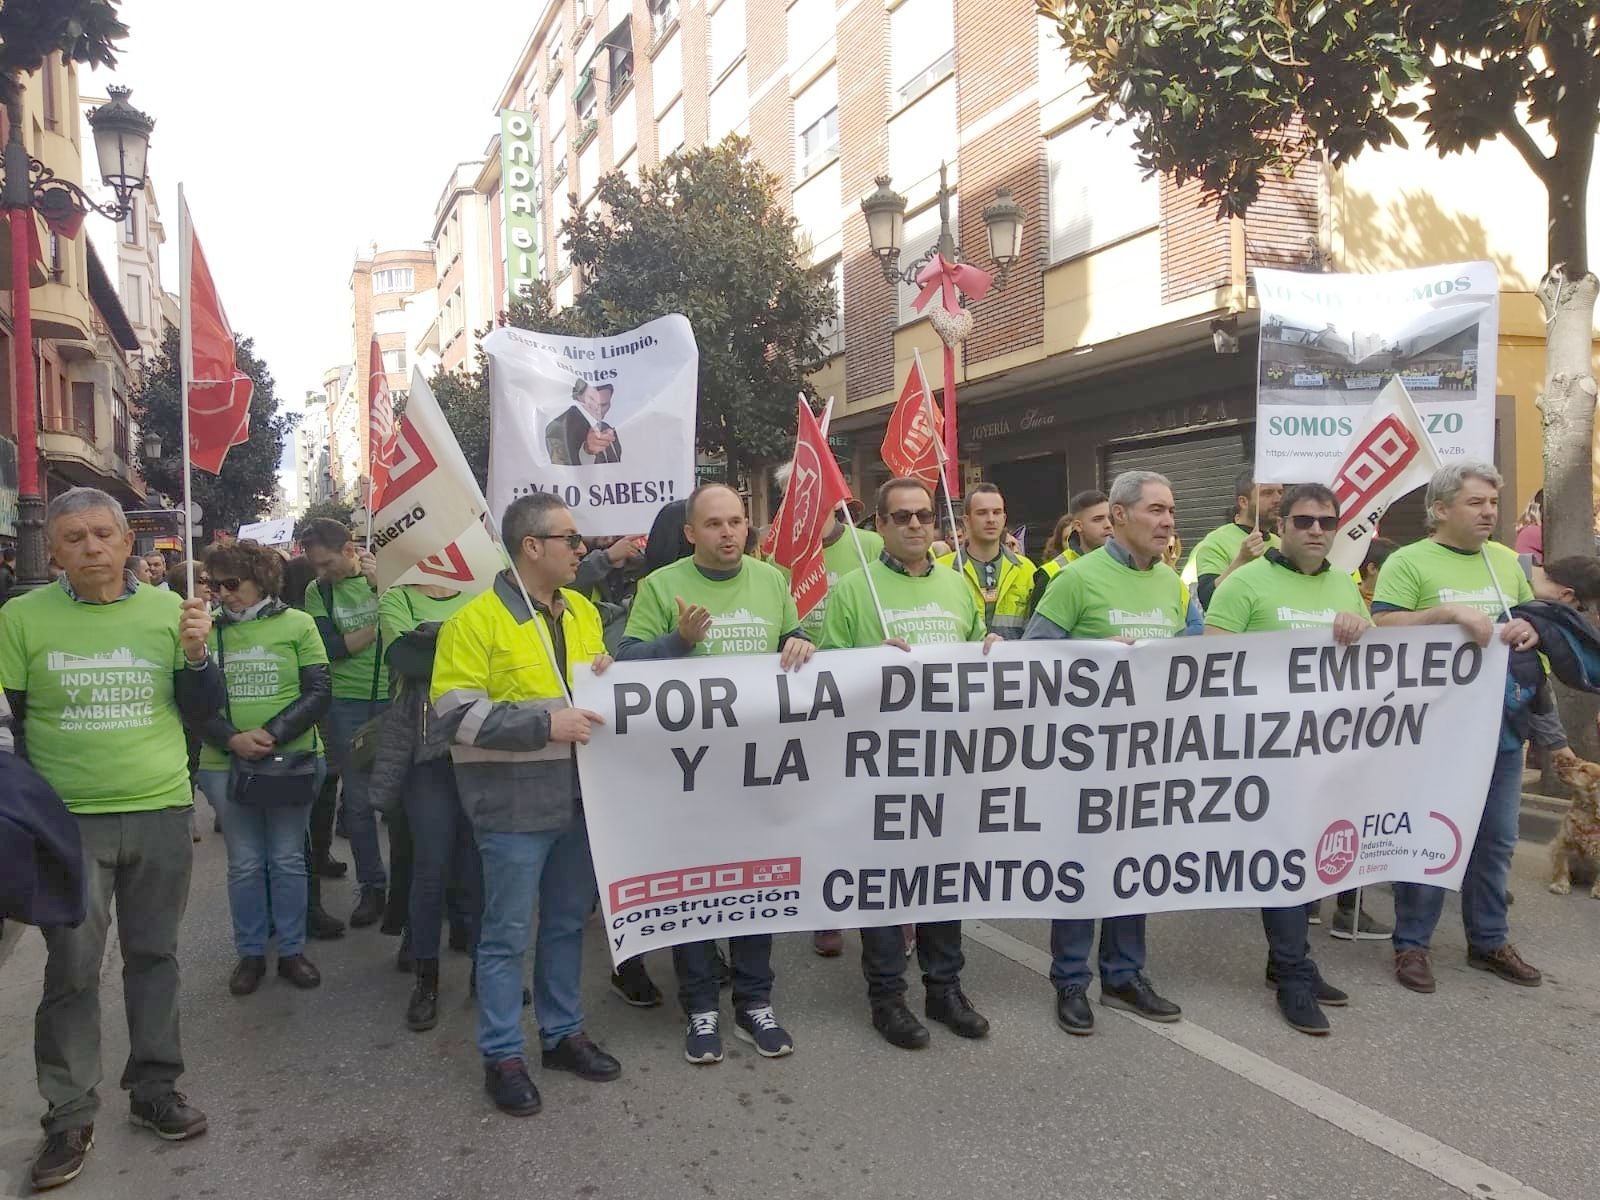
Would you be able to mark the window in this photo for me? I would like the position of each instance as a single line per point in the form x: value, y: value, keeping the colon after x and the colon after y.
x: 816, y: 117
x: 922, y: 232
x: 393, y: 279
x: 585, y: 103
x: 726, y: 37
x: 394, y: 361
x: 666, y: 74
x: 130, y: 222
x: 669, y: 130
x: 555, y: 43
x: 133, y: 299
x: 663, y: 16
x: 811, y: 24
x: 729, y: 108
x: 121, y: 427
x: 1097, y: 190
x: 389, y: 320
x: 48, y: 82
x: 832, y: 332
x: 58, y: 266
x: 83, y: 411
x: 619, y: 53
x: 922, y: 40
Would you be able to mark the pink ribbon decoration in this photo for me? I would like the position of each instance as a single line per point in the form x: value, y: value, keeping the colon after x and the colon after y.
x: 951, y: 280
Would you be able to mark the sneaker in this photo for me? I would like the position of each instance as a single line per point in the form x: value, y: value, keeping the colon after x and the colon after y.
x: 1314, y: 913
x: 1324, y: 991
x: 577, y: 1053
x: 1300, y: 1008
x: 952, y: 1008
x: 1347, y: 927
x: 170, y: 1116
x: 828, y: 943
x: 510, y: 1088
x: 703, y: 1044
x: 633, y: 983
x: 1137, y: 996
x: 1414, y: 971
x: 369, y: 908
x: 61, y: 1157
x: 761, y: 1029
x: 1506, y: 963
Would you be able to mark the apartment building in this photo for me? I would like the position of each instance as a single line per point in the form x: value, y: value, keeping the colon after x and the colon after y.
x: 382, y: 285
x: 462, y: 256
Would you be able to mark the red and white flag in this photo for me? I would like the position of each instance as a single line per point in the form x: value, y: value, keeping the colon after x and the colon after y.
x: 217, y: 393
x: 816, y: 488
x: 912, y: 443
x: 1389, y: 455
x: 381, y: 430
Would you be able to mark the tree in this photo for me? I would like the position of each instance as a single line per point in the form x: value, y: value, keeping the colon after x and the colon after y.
x: 336, y: 510
x: 249, y: 474
x: 82, y: 31
x: 1227, y: 91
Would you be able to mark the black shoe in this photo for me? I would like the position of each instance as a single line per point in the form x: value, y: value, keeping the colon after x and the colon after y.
x: 1300, y: 1008
x: 170, y: 1116
x: 1324, y: 991
x: 952, y: 1008
x: 404, y: 961
x: 300, y: 971
x: 369, y: 909
x: 331, y: 868
x: 510, y: 1088
x: 247, y: 976
x: 634, y: 985
x: 898, y: 1024
x: 724, y: 971
x: 1073, y: 1012
x: 394, y: 923
x: 323, y: 926
x: 422, y: 1011
x: 1137, y: 996
x: 460, y: 939
x: 576, y: 1053
x: 61, y: 1157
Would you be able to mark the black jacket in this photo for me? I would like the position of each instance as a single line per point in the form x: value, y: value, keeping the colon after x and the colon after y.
x: 299, y: 715
x: 41, y: 857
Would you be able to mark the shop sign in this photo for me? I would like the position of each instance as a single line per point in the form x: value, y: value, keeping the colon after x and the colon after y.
x: 519, y: 200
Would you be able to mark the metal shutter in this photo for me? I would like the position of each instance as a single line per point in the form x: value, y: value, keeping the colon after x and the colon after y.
x: 1201, y: 466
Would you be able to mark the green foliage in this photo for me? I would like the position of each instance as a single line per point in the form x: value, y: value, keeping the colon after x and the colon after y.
x: 336, y: 510
x: 83, y: 31
x: 249, y: 474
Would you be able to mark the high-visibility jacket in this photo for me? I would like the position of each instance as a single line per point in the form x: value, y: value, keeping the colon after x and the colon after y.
x: 1013, y: 592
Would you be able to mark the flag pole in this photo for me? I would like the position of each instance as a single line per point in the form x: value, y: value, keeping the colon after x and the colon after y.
x: 861, y: 553
x: 944, y: 474
x: 185, y: 369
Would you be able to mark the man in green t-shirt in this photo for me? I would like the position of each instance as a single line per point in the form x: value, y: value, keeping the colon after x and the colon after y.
x: 924, y: 604
x: 1457, y: 576
x: 1245, y: 538
x: 718, y: 601
x: 343, y: 600
x: 101, y: 673
x: 1291, y: 587
x: 1123, y: 592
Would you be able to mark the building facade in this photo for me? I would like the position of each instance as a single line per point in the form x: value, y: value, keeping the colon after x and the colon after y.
x: 462, y: 255
x: 381, y: 285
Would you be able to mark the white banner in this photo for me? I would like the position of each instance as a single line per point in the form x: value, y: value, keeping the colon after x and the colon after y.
x: 607, y: 424
x: 279, y: 532
x: 1328, y: 342
x: 1063, y: 779
x: 1389, y: 457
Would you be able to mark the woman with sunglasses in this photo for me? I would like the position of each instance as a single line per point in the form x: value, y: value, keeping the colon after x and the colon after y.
x: 253, y: 767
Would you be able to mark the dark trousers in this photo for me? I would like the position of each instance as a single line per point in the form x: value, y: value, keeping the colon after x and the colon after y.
x: 321, y: 827
x: 1287, y: 945
x: 883, y: 958
x: 698, y: 985
x: 397, y: 906
x: 445, y: 867
x: 1121, y: 951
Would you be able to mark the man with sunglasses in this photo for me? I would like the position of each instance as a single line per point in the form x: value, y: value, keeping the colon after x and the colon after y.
x: 1292, y: 587
x: 719, y: 601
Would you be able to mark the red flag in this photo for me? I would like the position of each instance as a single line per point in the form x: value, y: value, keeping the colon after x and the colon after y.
x: 382, y: 435
x: 816, y: 489
x: 219, y: 393
x: 911, y: 441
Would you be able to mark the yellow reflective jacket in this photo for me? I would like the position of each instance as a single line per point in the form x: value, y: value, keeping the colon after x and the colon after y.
x: 1014, y: 592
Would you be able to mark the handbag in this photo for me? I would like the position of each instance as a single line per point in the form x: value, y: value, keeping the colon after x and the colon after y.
x: 364, y: 742
x: 280, y: 780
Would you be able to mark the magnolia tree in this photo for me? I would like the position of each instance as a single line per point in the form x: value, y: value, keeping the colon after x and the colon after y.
x: 1229, y: 92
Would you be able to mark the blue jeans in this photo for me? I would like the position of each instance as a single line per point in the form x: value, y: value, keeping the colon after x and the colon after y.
x: 1288, y: 948
x: 1483, y: 888
x: 1121, y: 951
x: 266, y: 868
x: 554, y: 868
x: 360, y: 822
x: 443, y: 850
x: 751, y: 960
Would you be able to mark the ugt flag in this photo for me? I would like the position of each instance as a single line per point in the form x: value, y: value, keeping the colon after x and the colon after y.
x: 218, y: 393
x: 912, y: 440
x: 1389, y: 455
x: 815, y: 489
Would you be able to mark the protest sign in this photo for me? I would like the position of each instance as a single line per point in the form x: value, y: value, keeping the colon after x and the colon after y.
x: 1330, y: 342
x: 606, y: 423
x: 1389, y: 456
x: 1067, y: 779
x: 279, y: 532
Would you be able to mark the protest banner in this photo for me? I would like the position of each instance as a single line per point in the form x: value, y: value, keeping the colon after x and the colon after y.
x: 1067, y: 779
x: 278, y: 532
x: 607, y: 424
x: 1329, y: 343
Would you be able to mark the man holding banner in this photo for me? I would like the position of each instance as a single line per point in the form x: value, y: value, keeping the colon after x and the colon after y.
x: 718, y: 601
x: 1126, y: 592
x: 925, y: 603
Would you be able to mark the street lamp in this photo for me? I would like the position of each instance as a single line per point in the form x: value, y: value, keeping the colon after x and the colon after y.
x: 122, y: 141
x: 150, y: 445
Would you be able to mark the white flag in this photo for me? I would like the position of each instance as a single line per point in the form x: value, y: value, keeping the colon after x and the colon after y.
x: 1389, y: 455
x: 433, y: 509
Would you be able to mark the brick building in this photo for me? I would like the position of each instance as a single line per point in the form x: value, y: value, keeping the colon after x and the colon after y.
x: 384, y: 287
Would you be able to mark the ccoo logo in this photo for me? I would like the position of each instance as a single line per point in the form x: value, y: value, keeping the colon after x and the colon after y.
x: 1336, y: 851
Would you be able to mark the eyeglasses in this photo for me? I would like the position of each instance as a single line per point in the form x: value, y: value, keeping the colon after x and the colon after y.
x: 573, y: 540
x: 225, y: 585
x: 904, y: 516
x: 1304, y: 521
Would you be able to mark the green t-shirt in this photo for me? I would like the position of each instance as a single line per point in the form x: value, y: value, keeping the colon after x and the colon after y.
x: 749, y: 613
x: 840, y: 559
x: 1267, y: 595
x: 924, y: 610
x: 355, y: 606
x: 1098, y: 597
x: 102, y: 724
x: 261, y: 662
x: 1217, y: 548
x: 404, y: 607
x: 1427, y: 574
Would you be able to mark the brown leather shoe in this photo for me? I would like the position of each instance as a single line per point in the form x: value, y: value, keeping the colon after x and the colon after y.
x: 1414, y: 971
x: 1506, y: 963
x: 829, y: 943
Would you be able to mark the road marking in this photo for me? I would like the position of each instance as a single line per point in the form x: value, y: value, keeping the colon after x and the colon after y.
x: 1445, y: 1163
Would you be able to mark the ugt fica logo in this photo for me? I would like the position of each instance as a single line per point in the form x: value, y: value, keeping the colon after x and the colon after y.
x: 1336, y: 851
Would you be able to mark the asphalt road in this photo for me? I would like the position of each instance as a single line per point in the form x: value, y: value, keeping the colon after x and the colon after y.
x: 1482, y: 1089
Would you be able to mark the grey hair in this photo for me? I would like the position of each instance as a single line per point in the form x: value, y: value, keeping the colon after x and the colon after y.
x: 81, y: 500
x: 1447, y: 483
x: 527, y: 516
x: 1127, y: 489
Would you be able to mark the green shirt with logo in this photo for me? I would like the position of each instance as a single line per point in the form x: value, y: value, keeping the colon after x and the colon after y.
x: 1216, y: 550
x: 102, y: 723
x: 1098, y: 597
x: 355, y: 606
x: 261, y: 660
x: 405, y: 606
x: 840, y: 559
x: 1427, y: 574
x: 924, y: 610
x: 749, y: 612
x: 1267, y: 594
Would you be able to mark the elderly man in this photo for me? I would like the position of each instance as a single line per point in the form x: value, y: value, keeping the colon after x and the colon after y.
x: 98, y: 669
